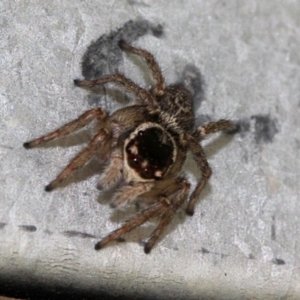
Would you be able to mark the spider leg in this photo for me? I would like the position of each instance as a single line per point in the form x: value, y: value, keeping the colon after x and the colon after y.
x: 200, y: 156
x: 213, y: 127
x: 166, y: 218
x: 122, y: 81
x: 130, y: 192
x: 164, y: 206
x: 140, y: 218
x: 80, y: 159
x: 152, y: 64
x: 201, y: 160
x: 81, y: 121
x: 113, y: 171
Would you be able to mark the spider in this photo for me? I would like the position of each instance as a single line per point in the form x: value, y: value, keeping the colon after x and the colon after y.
x: 144, y: 146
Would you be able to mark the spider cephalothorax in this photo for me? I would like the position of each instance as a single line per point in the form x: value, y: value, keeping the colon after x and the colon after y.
x: 145, y: 145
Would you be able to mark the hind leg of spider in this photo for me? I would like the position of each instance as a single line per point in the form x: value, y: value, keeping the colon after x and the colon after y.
x: 165, y: 207
x: 81, y: 121
x: 152, y: 64
x: 152, y: 211
x: 176, y: 202
x: 213, y: 127
x: 80, y: 159
x: 122, y: 81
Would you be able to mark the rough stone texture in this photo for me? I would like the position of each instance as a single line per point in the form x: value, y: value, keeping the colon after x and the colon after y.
x: 243, y: 241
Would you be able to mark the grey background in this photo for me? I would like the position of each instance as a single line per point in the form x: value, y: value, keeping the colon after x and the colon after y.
x: 243, y: 241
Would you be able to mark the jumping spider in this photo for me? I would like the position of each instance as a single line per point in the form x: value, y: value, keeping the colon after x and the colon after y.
x: 145, y: 145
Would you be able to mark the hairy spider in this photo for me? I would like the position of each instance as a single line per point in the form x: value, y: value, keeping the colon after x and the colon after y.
x: 145, y: 146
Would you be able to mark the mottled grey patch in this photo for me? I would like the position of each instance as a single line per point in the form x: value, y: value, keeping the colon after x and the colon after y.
x: 244, y: 126
x: 104, y: 55
x: 273, y: 229
x: 204, y: 250
x: 2, y: 225
x: 138, y: 3
x: 72, y: 233
x: 264, y: 128
x: 222, y: 255
x: 278, y: 261
x: 157, y: 30
x: 194, y: 82
x: 29, y: 228
x: 251, y: 256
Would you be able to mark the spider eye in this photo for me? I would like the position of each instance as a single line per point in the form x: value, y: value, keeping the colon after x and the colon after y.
x: 150, y: 153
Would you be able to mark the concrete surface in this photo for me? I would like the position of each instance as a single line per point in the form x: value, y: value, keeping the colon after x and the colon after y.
x: 243, y: 241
